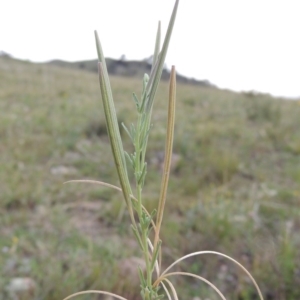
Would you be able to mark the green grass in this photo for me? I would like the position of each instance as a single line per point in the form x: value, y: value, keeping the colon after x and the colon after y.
x: 235, y: 187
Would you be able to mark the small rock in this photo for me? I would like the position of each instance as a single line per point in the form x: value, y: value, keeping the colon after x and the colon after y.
x: 62, y: 170
x: 21, y: 288
x: 158, y: 160
x: 128, y: 268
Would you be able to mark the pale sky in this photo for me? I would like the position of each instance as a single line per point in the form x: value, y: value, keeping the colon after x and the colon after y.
x: 235, y: 44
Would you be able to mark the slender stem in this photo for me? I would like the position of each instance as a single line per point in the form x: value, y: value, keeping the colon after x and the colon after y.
x: 168, y: 153
x: 139, y: 163
x: 146, y: 254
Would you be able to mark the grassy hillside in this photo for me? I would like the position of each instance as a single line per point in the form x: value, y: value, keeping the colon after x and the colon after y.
x: 235, y: 186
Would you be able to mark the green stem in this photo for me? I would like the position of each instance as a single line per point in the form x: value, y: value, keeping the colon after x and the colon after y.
x: 139, y: 165
x: 146, y: 254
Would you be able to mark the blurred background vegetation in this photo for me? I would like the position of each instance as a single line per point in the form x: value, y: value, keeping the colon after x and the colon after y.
x: 234, y: 187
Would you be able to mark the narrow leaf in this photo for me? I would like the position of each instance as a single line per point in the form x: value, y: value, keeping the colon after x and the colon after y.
x: 128, y: 158
x: 155, y: 255
x: 114, y: 134
x: 142, y: 279
x: 113, y: 128
x: 143, y: 175
x: 161, y: 60
x: 127, y: 131
x: 136, y: 101
x: 137, y: 235
x: 157, y: 46
x: 156, y: 74
x: 101, y: 59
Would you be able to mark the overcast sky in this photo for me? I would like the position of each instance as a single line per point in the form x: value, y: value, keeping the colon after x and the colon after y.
x: 240, y: 45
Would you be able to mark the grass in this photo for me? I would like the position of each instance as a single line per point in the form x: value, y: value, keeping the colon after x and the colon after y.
x: 234, y: 189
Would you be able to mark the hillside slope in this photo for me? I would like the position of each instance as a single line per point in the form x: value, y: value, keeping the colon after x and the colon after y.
x: 234, y: 187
